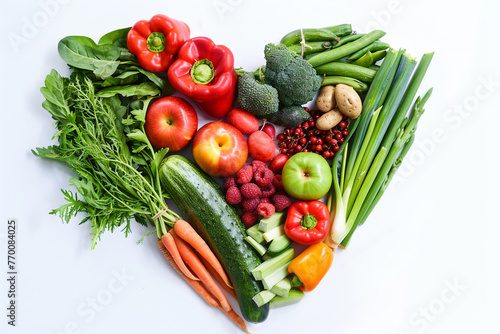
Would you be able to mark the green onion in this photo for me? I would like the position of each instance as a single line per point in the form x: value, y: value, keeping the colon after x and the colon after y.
x: 381, y: 138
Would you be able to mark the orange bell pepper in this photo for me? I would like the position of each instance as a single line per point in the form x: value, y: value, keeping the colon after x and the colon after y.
x: 311, y: 265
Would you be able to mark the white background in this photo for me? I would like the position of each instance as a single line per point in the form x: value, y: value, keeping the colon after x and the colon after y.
x: 426, y: 260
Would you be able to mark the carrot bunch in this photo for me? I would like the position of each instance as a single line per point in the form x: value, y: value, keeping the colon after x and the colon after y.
x: 193, y: 259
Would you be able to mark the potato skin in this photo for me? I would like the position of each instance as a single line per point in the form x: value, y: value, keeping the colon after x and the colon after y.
x: 326, y: 99
x: 329, y: 120
x: 348, y: 101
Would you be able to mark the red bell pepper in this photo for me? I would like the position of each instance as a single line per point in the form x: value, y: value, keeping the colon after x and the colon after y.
x: 307, y: 222
x: 157, y: 41
x: 205, y: 73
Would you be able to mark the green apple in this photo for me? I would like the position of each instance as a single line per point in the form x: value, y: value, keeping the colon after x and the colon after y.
x: 306, y: 176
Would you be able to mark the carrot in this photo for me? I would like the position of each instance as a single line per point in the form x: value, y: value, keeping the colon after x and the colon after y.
x: 198, y: 286
x: 216, y: 275
x: 188, y: 254
x: 202, y: 290
x: 169, y: 243
x: 237, y: 320
x: 185, y: 231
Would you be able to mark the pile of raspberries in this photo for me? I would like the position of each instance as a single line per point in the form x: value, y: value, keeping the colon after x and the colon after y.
x: 258, y: 192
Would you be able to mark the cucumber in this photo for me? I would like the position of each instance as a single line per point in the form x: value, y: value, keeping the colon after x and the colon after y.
x: 258, y: 247
x: 267, y: 224
x: 294, y: 296
x: 279, y: 244
x: 202, y: 203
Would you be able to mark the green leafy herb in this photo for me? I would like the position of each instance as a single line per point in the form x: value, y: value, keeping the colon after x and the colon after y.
x: 95, y: 135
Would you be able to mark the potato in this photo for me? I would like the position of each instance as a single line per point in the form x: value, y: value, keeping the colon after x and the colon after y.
x: 326, y: 99
x: 348, y: 101
x: 329, y: 120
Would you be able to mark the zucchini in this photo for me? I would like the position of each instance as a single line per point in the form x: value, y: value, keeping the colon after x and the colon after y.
x: 202, y: 203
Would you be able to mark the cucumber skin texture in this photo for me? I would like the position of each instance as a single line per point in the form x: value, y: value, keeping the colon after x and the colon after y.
x: 201, y: 201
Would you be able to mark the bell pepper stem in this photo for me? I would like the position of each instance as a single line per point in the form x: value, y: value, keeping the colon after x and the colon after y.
x: 202, y: 71
x: 296, y: 282
x: 156, y: 42
x: 308, y: 221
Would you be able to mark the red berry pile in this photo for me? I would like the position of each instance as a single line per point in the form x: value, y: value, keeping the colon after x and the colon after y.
x: 307, y: 138
x: 257, y: 191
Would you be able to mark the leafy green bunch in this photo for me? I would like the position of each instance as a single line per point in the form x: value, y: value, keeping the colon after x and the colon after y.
x: 100, y: 117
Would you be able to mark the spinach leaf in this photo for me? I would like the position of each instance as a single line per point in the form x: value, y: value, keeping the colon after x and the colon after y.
x: 164, y: 85
x: 125, y: 78
x: 82, y: 52
x: 117, y: 37
x: 140, y: 90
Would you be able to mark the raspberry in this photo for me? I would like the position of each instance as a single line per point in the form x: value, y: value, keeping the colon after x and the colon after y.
x: 265, y: 200
x: 263, y: 176
x: 257, y: 163
x: 250, y: 204
x: 250, y: 190
x: 249, y: 218
x: 266, y: 210
x: 281, y: 202
x: 244, y: 175
x: 278, y: 185
x: 228, y: 182
x: 268, y: 190
x: 233, y: 195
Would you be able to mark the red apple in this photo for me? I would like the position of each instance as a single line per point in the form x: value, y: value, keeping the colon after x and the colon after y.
x: 219, y: 149
x: 170, y: 122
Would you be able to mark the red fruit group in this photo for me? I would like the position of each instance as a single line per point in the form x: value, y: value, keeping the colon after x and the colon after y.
x: 278, y: 162
x: 254, y: 189
x: 233, y: 195
x: 261, y: 146
x: 249, y: 218
x: 281, y: 202
x: 265, y: 210
x: 243, y: 121
x: 251, y: 190
x: 244, y: 175
x: 270, y: 130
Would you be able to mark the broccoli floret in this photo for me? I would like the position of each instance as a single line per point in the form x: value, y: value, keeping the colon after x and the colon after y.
x: 255, y: 97
x: 289, y: 116
x: 293, y: 77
